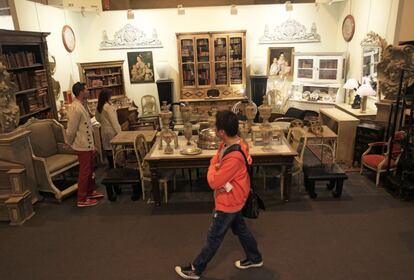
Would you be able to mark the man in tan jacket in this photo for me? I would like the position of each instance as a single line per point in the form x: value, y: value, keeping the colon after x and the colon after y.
x: 79, y: 135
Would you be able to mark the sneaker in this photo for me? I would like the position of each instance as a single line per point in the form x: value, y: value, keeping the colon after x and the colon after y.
x: 187, y: 272
x: 247, y: 264
x: 95, y: 194
x: 88, y: 202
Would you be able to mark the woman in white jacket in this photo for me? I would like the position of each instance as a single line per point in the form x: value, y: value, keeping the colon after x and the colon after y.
x: 106, y: 115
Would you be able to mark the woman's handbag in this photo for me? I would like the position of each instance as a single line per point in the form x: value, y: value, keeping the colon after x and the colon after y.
x: 254, y: 202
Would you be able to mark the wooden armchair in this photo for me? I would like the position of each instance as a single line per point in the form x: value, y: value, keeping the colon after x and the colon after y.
x: 378, y: 162
x: 51, y: 157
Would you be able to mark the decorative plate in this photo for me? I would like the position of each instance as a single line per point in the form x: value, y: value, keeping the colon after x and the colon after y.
x: 68, y: 38
x: 348, y: 28
x: 191, y: 151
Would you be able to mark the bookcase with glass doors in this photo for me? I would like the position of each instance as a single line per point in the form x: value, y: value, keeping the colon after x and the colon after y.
x: 212, y: 65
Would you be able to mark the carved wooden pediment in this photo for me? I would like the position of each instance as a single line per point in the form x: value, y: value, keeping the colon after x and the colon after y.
x: 290, y: 31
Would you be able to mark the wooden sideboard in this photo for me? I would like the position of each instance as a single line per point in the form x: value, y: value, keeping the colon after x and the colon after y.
x: 345, y: 126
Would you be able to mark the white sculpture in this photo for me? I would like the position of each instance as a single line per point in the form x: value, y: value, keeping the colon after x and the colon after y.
x: 290, y: 31
x: 130, y: 37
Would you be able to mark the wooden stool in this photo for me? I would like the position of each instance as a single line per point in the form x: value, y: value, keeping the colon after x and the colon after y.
x: 112, y: 178
x: 324, y: 172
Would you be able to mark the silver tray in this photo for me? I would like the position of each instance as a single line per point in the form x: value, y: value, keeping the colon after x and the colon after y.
x: 191, y: 151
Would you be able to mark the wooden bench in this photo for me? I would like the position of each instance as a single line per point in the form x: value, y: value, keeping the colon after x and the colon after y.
x: 115, y: 177
x: 324, y: 172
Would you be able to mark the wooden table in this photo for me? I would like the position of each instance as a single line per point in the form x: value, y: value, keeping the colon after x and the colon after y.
x: 126, y: 139
x: 281, y: 155
x: 369, y: 114
x: 327, y: 134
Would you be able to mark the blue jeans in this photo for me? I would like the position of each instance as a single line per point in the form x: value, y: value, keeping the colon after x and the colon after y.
x: 218, y: 229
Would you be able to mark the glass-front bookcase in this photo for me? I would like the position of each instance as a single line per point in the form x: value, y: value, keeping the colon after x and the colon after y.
x: 212, y: 65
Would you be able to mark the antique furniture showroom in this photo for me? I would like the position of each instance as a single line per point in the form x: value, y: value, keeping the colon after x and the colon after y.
x: 323, y: 94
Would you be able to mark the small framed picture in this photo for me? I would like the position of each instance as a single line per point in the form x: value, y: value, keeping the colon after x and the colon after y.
x: 141, y: 67
x: 280, y: 62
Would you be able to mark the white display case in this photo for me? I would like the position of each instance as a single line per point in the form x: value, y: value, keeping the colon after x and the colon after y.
x: 322, y: 68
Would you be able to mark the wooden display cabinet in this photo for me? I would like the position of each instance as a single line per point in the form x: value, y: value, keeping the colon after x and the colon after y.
x: 212, y: 65
x: 25, y: 55
x: 100, y: 75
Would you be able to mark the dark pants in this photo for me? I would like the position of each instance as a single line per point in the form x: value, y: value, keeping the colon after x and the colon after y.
x: 221, y: 223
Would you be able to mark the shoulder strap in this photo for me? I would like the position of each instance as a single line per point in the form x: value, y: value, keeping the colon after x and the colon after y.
x: 237, y: 147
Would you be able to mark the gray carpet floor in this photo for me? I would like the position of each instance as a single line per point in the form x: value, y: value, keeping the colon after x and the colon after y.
x: 367, y: 234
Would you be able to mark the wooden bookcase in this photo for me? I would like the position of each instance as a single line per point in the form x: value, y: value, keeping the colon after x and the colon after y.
x: 25, y: 55
x: 212, y: 60
x: 105, y: 74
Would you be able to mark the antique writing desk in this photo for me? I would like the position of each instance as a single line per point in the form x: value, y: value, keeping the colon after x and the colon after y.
x: 281, y: 155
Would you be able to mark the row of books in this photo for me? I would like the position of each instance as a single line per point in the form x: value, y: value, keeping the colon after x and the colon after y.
x: 106, y: 81
x: 188, y: 75
x: 115, y: 92
x: 19, y: 59
x: 32, y: 102
x: 31, y: 79
x: 103, y: 71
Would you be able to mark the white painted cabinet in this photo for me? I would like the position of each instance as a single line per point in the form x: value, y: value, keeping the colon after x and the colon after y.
x: 319, y: 68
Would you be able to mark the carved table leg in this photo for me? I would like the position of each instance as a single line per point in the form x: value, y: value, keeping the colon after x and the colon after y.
x: 338, y: 189
x: 287, y: 184
x: 155, y: 187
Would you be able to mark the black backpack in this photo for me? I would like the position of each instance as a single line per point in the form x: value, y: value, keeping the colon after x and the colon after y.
x: 254, y: 202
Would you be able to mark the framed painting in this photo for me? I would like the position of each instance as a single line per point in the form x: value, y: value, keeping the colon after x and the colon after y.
x: 280, y: 62
x: 141, y: 67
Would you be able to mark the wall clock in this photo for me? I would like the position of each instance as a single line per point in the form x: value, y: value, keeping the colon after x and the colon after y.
x: 68, y: 38
x: 348, y: 28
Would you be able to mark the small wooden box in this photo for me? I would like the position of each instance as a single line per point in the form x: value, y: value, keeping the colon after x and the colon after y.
x: 20, y: 208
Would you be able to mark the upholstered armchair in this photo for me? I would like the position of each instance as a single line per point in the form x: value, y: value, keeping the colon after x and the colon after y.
x: 378, y: 162
x: 51, y: 156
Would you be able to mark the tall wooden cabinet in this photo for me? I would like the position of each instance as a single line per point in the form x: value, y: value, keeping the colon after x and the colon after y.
x: 25, y: 55
x: 212, y: 68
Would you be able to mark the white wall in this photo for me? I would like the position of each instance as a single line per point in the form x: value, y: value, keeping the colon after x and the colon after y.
x: 37, y: 17
x: 376, y: 15
x: 167, y: 23
x: 405, y: 30
x: 379, y: 16
x: 6, y: 22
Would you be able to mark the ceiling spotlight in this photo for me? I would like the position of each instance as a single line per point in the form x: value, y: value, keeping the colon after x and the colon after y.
x: 181, y: 10
x: 233, y: 10
x: 83, y: 11
x: 288, y: 6
x: 130, y: 14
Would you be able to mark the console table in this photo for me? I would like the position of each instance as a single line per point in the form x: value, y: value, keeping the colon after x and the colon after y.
x: 281, y: 155
x: 344, y: 125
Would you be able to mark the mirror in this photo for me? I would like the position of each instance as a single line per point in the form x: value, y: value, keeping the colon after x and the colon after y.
x: 372, y: 46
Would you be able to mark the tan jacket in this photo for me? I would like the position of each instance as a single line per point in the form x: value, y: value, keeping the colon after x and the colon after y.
x: 79, y: 134
x: 109, y: 124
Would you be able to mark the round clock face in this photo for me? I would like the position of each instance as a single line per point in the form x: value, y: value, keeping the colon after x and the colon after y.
x: 348, y: 28
x: 68, y: 37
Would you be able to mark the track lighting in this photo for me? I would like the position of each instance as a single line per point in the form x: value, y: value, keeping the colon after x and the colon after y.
x: 288, y: 6
x: 130, y: 14
x: 180, y: 9
x: 233, y: 10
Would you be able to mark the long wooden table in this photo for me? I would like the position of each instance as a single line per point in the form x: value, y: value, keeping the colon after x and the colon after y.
x: 126, y: 139
x: 281, y: 155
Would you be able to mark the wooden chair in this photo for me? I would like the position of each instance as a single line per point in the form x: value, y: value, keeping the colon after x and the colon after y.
x: 297, y: 139
x: 141, y: 149
x: 149, y: 111
x: 379, y: 162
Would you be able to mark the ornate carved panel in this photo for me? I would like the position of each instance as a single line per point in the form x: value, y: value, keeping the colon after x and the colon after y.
x: 290, y: 31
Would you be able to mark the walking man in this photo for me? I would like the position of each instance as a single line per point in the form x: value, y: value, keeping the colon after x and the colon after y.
x: 79, y: 135
x: 229, y: 178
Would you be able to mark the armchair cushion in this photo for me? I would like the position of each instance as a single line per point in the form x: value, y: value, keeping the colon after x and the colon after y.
x: 373, y: 160
x: 59, y: 161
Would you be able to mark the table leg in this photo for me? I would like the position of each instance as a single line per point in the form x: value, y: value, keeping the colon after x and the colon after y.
x: 155, y: 187
x: 110, y: 192
x: 338, y: 189
x: 287, y: 184
x: 311, y: 189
